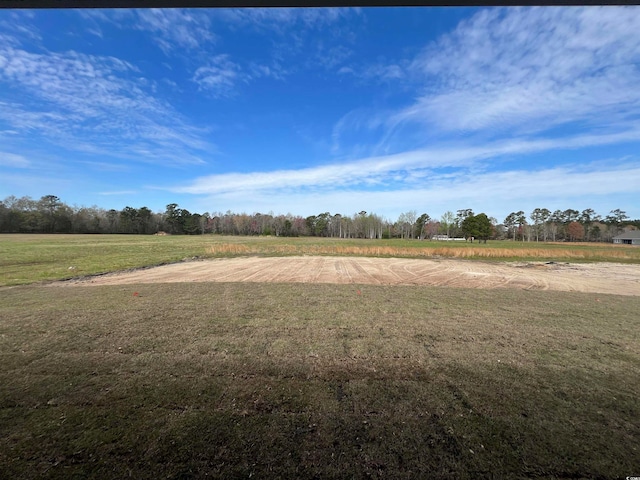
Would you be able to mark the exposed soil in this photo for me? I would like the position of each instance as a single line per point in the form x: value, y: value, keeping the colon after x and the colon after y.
x: 614, y: 278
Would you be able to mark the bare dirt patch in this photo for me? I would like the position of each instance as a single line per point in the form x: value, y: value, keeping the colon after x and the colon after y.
x: 621, y: 279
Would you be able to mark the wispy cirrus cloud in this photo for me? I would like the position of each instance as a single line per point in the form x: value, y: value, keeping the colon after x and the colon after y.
x: 377, y: 72
x: 14, y: 160
x: 95, y: 104
x: 213, y: 67
x: 281, y: 20
x: 569, y: 187
x: 295, y: 41
x: 176, y: 31
x: 172, y: 29
x: 176, y: 28
x: 409, y: 168
x: 219, y: 76
x: 523, y: 69
x: 17, y: 26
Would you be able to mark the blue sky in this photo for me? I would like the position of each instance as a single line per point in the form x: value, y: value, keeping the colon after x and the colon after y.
x: 305, y: 110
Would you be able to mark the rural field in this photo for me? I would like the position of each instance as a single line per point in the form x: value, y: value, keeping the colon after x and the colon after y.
x: 25, y: 259
x: 317, y: 358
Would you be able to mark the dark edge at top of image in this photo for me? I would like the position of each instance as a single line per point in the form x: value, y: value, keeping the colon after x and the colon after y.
x: 41, y: 4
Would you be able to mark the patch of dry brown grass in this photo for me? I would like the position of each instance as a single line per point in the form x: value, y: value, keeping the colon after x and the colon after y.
x: 426, y: 251
x: 566, y: 253
x: 224, y: 249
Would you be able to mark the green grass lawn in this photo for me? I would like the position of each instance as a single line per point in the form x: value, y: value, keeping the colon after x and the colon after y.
x: 33, y: 258
x: 316, y: 381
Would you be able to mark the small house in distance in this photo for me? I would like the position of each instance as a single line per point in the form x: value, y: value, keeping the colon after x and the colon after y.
x: 632, y: 237
x: 447, y: 238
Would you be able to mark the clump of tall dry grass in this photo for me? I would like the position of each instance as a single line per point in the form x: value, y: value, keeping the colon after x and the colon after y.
x: 229, y: 249
x: 462, y: 251
x: 480, y: 252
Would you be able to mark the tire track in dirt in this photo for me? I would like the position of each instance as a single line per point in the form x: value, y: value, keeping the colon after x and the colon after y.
x: 392, y: 276
x: 261, y: 272
x: 353, y: 273
x: 317, y: 266
x: 380, y: 272
x: 533, y: 277
x: 341, y: 270
x: 365, y: 273
x: 236, y: 270
x: 436, y: 273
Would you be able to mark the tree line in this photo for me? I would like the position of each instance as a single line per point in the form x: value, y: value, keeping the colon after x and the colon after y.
x: 569, y: 225
x: 50, y: 214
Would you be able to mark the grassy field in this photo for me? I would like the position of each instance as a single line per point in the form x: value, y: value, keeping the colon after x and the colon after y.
x: 317, y: 381
x: 309, y: 381
x: 31, y: 258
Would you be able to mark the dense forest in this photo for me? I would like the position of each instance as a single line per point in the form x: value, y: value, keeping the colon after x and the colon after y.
x: 50, y: 214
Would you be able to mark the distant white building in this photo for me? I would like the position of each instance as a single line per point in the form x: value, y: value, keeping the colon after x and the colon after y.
x: 632, y: 237
x: 447, y: 238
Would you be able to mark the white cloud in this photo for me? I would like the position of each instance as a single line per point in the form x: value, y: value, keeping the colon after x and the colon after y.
x: 526, y: 190
x: 298, y: 39
x: 275, y: 71
x: 15, y: 27
x: 60, y: 78
x: 282, y: 20
x: 219, y: 76
x: 378, y: 72
x: 531, y: 69
x: 173, y: 29
x: 94, y: 104
x: 176, y: 28
x: 409, y: 167
x: 13, y: 160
